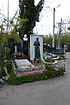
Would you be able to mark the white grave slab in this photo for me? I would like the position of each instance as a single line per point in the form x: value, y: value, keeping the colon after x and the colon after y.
x: 32, y: 47
x: 23, y: 65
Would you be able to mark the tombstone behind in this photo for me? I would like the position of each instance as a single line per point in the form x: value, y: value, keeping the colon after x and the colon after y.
x: 11, y: 45
x: 19, y: 47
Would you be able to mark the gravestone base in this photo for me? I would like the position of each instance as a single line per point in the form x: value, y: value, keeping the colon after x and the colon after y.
x: 26, y: 68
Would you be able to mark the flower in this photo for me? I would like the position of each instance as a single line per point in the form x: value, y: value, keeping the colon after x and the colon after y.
x: 30, y: 65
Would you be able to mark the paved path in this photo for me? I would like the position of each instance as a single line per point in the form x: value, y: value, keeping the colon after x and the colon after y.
x: 50, y: 92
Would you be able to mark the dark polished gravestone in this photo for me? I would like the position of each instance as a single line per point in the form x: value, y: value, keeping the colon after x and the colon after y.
x: 23, y: 65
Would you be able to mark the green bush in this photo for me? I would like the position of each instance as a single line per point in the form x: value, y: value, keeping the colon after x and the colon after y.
x: 9, y: 67
x: 47, y: 73
x: 49, y: 60
x: 61, y: 57
x: 26, y: 79
x: 50, y: 73
x: 2, y: 72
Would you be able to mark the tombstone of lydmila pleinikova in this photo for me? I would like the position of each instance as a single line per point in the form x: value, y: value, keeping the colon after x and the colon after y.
x: 23, y: 65
x: 36, y: 47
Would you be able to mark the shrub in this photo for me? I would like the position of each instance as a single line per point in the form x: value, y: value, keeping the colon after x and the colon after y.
x: 2, y: 72
x: 49, y: 60
x: 61, y: 57
x: 26, y: 79
x: 9, y: 67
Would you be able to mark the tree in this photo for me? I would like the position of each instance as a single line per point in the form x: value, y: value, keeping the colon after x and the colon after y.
x: 9, y: 34
x: 48, y: 39
x: 65, y: 39
x: 12, y: 31
x: 27, y: 9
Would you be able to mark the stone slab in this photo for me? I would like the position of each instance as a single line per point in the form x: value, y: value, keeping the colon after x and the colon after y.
x: 23, y: 65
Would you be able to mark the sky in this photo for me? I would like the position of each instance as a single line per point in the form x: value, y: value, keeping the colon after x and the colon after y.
x: 45, y: 26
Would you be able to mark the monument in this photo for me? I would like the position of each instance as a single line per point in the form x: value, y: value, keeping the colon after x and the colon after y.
x: 25, y: 45
x: 16, y: 52
x: 36, y: 47
x: 37, y: 50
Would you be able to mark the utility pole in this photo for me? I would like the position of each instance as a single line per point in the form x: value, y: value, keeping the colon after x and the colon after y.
x: 53, y: 26
x: 53, y: 40
x: 60, y: 29
x: 7, y: 15
x: 24, y: 11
